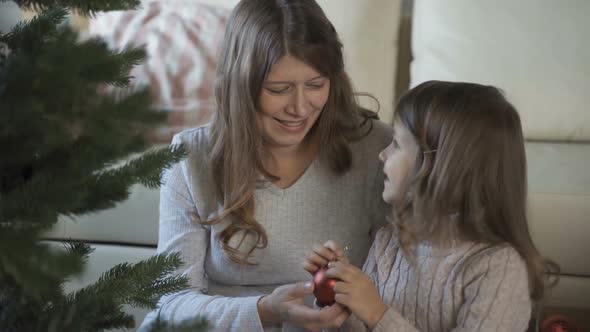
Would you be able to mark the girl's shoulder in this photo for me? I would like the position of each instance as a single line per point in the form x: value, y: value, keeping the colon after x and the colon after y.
x: 383, y: 254
x: 386, y: 240
x: 494, y: 261
x: 482, y: 251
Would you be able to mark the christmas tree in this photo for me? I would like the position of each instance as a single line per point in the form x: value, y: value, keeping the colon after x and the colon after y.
x: 62, y: 139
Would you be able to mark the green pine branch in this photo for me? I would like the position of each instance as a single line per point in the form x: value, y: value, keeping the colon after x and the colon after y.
x: 96, y: 307
x: 117, y: 320
x: 78, y: 249
x: 74, y: 114
x: 75, y: 147
x: 30, y: 36
x: 145, y: 169
x: 96, y: 314
x: 37, y: 202
x: 112, y: 69
x: 34, y: 266
x: 83, y: 6
x: 63, y: 136
x: 140, y: 284
x: 18, y: 311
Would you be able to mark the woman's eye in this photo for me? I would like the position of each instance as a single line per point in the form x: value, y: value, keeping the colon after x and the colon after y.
x: 316, y: 86
x: 278, y: 90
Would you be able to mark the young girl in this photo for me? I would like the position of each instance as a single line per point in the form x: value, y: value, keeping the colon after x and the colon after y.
x: 458, y: 255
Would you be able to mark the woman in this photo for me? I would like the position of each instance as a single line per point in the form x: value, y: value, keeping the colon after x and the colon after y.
x: 289, y: 160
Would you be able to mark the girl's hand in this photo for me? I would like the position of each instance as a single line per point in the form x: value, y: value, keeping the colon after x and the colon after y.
x: 319, y: 256
x: 357, y: 292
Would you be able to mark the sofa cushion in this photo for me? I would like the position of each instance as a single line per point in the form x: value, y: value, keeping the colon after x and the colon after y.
x: 134, y: 221
x: 570, y: 298
x: 535, y: 50
x: 559, y: 203
x: 558, y: 168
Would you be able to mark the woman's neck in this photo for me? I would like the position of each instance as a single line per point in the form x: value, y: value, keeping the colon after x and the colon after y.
x: 290, y: 163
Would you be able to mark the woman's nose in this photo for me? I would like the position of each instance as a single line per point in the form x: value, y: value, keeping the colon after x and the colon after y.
x: 300, y: 105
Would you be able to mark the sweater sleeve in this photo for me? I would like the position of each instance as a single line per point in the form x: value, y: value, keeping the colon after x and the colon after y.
x: 496, y: 296
x: 179, y: 231
x: 371, y: 268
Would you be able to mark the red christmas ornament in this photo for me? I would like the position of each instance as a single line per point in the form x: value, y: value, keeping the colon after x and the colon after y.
x: 323, y: 288
x: 558, y: 323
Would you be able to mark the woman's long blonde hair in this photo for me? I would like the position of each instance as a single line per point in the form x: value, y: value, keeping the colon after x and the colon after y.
x: 258, y: 34
x: 470, y: 176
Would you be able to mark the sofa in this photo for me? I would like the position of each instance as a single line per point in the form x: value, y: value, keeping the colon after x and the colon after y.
x: 537, y: 51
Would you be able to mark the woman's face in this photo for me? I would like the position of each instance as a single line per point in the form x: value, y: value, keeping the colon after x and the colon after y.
x: 290, y: 102
x: 399, y: 158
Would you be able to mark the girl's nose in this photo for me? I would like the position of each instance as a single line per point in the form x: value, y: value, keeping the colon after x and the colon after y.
x: 382, y: 155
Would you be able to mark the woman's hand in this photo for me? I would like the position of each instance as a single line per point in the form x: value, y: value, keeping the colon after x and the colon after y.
x: 357, y: 292
x: 285, y: 304
x: 319, y: 256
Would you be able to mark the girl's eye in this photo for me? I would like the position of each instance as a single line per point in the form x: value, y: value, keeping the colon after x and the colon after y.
x: 394, y: 144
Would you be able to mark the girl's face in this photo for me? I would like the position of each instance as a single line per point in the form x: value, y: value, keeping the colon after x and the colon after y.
x: 399, y: 158
x: 291, y: 100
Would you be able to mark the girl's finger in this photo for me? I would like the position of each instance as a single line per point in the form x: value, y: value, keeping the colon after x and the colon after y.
x: 325, y: 252
x: 339, y: 320
x: 341, y: 287
x: 335, y: 247
x: 314, y: 258
x: 348, y: 268
x: 310, y: 266
x: 338, y: 271
x: 343, y: 299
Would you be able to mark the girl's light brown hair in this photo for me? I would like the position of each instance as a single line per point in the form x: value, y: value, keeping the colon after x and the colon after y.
x: 470, y: 176
x: 258, y: 34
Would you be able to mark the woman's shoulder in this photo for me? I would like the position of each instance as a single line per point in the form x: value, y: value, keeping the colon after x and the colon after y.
x: 193, y: 137
x: 376, y: 135
x: 380, y: 132
x: 195, y: 140
x: 196, y: 143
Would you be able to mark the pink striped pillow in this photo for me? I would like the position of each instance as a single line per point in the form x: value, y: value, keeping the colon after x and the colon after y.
x: 181, y: 39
